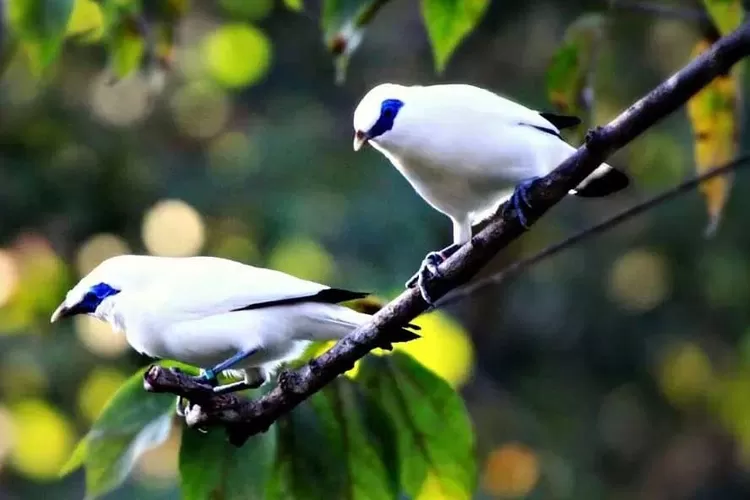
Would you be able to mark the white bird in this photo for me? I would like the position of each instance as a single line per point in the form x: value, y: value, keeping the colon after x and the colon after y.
x: 466, y: 150
x: 215, y: 313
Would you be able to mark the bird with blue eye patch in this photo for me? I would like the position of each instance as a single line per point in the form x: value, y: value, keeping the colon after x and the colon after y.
x: 216, y: 314
x: 465, y: 151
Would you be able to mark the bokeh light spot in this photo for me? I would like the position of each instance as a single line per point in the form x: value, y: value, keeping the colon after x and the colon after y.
x: 43, y: 439
x: 639, y: 280
x: 121, y: 104
x: 302, y: 257
x: 21, y: 375
x: 445, y: 347
x: 200, y: 109
x: 98, y: 337
x: 511, y: 471
x: 237, y: 55
x: 232, y: 152
x: 8, y: 276
x: 173, y: 228
x: 97, y: 249
x: 96, y: 391
x: 686, y: 373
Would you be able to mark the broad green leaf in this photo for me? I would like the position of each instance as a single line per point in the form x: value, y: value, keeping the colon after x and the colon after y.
x: 210, y: 467
x: 433, y: 430
x: 41, y: 26
x: 713, y: 114
x: 448, y: 22
x: 363, y: 432
x: 133, y: 422
x: 343, y: 24
x: 307, y: 465
x: 338, y: 444
x: 570, y: 73
x: 726, y: 14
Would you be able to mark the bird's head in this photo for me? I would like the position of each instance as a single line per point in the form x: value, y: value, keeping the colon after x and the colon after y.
x: 380, y: 115
x: 95, y: 292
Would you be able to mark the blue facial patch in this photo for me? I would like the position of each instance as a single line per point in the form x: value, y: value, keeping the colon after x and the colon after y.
x: 388, y: 111
x: 94, y: 297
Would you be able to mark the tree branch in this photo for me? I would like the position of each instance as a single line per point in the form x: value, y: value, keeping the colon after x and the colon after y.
x: 244, y: 418
x: 521, y: 265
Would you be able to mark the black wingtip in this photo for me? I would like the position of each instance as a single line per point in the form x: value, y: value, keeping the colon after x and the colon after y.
x: 561, y: 121
x: 604, y: 185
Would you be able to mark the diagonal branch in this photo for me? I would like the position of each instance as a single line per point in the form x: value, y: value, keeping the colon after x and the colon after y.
x: 521, y: 265
x: 245, y: 418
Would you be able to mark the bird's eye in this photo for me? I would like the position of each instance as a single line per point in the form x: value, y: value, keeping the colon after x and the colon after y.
x: 388, y: 112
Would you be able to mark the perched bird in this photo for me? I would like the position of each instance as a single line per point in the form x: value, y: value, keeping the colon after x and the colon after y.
x: 466, y: 150
x: 215, y: 314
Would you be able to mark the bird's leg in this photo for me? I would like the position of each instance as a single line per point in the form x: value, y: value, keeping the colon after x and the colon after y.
x: 520, y: 197
x: 429, y: 269
x: 242, y: 385
x: 210, y: 376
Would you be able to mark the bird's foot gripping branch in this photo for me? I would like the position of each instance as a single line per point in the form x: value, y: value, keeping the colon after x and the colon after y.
x: 244, y: 418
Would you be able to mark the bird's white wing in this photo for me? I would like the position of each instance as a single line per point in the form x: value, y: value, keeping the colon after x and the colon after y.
x: 468, y: 97
x: 204, y: 286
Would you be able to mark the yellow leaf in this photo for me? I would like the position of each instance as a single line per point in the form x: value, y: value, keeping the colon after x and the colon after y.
x: 726, y: 14
x: 713, y: 116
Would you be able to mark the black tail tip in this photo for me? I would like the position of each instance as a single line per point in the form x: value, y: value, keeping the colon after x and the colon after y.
x: 402, y: 335
x: 608, y: 183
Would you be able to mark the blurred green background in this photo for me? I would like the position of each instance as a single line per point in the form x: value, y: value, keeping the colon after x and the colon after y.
x: 618, y: 369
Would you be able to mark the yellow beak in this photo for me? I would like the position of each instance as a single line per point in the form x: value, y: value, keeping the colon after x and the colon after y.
x: 59, y: 313
x: 359, y: 140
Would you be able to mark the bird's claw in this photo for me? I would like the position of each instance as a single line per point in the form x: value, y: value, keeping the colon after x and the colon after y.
x: 183, y: 406
x: 520, y: 197
x: 427, y: 271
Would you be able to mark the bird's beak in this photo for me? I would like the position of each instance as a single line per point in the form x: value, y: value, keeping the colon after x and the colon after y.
x: 360, y: 138
x: 62, y: 311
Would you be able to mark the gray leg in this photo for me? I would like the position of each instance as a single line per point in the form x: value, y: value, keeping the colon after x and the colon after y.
x: 429, y: 270
x: 248, y: 383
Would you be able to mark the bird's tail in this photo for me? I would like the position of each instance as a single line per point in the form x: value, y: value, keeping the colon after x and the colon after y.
x: 603, y: 181
x: 370, y: 306
x: 335, y: 321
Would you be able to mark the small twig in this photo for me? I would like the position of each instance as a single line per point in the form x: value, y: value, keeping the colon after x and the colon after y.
x: 250, y: 417
x: 523, y: 264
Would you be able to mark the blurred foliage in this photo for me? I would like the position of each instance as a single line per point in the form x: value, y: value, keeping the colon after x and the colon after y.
x: 368, y: 438
x: 618, y: 370
x: 715, y: 113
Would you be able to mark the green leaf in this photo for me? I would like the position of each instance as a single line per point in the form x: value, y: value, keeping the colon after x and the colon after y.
x: 570, y: 73
x: 433, y: 429
x: 132, y: 422
x: 210, y: 467
x: 337, y: 444
x: 41, y: 26
x: 728, y: 15
x: 343, y: 23
x: 448, y: 22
